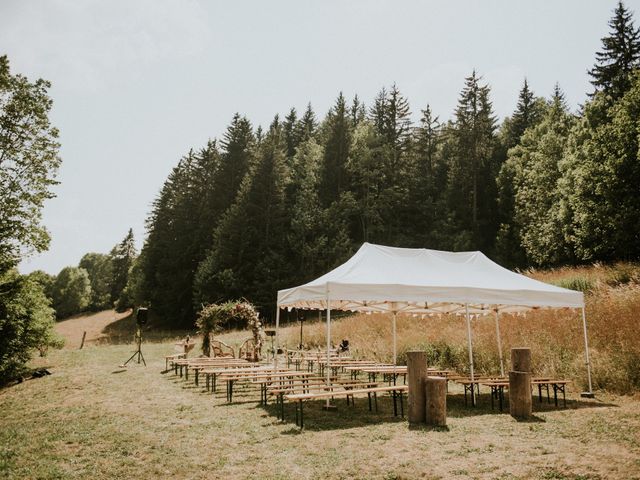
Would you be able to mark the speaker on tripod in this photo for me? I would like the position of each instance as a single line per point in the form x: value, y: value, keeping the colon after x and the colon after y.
x: 141, y: 320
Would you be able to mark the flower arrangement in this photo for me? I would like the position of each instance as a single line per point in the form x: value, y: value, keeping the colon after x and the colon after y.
x: 213, y: 317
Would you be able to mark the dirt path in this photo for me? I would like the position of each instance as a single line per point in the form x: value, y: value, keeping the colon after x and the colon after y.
x: 93, y: 323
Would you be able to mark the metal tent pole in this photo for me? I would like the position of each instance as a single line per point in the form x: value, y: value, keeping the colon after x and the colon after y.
x: 473, y: 399
x: 499, y: 343
x: 586, y: 353
x: 275, y: 356
x: 328, y: 348
x: 395, y: 351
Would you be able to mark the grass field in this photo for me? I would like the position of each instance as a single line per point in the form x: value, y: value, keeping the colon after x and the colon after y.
x: 91, y: 418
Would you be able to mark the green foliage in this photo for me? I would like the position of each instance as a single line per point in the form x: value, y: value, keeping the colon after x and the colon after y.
x: 277, y: 208
x: 29, y: 162
x: 26, y: 324
x: 583, y: 284
x: 122, y: 257
x: 99, y: 267
x: 249, y: 246
x: 71, y: 292
x: 620, y: 56
x: 601, y: 174
x: 213, y: 318
x: 534, y: 165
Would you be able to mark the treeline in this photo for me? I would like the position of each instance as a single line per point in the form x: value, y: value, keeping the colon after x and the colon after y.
x: 98, y: 282
x: 260, y: 210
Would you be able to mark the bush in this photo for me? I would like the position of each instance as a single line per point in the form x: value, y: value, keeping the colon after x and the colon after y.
x: 71, y: 291
x: 582, y: 284
x: 26, y: 324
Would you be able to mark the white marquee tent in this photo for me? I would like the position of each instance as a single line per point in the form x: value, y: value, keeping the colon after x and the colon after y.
x: 416, y: 280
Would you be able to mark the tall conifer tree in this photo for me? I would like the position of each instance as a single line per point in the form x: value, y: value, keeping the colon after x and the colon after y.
x: 619, y: 57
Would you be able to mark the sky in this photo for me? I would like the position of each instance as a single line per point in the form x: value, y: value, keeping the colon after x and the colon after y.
x: 137, y: 83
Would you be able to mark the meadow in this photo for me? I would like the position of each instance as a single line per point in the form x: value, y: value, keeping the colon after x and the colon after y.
x: 93, y: 418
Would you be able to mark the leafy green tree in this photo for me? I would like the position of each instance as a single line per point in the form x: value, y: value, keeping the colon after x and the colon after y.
x: 29, y: 162
x: 620, y: 55
x: 45, y: 281
x: 71, y: 291
x: 600, y: 179
x: 26, y: 324
x: 99, y: 267
x: 535, y: 164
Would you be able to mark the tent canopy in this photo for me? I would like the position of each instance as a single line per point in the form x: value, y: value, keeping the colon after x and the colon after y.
x: 417, y: 280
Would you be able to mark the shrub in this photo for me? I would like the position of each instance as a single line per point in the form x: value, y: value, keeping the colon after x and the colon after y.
x: 26, y: 324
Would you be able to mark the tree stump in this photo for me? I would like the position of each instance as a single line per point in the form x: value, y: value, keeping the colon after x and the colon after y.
x: 416, y: 375
x: 520, y: 403
x: 435, y: 389
x: 521, y: 360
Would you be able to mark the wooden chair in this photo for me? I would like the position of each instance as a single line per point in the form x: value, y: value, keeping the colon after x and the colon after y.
x: 249, y: 351
x: 221, y: 349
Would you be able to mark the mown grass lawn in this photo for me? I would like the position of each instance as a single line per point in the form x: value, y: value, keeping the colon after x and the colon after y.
x: 93, y: 419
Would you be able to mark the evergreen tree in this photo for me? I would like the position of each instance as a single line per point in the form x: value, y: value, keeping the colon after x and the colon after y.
x: 180, y: 232
x: 122, y: 257
x: 529, y: 112
x: 337, y: 134
x: 471, y: 186
x: 248, y: 257
x: 291, y: 133
x: 619, y: 57
x: 307, y: 125
x: 425, y: 180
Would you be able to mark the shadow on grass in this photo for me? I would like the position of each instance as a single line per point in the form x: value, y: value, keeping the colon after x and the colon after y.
x: 457, y: 408
x: 343, y: 417
x: 122, y: 332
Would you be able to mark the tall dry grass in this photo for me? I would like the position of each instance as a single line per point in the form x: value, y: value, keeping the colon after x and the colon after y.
x: 554, y: 336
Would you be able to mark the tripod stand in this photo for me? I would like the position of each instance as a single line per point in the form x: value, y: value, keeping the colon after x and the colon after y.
x: 138, y: 352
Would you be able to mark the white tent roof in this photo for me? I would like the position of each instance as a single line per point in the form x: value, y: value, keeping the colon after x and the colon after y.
x: 417, y: 280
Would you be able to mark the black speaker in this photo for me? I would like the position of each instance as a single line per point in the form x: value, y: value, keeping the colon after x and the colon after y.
x: 141, y: 316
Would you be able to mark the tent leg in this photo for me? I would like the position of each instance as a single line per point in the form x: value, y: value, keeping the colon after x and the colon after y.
x: 328, y: 367
x: 395, y: 351
x: 499, y: 343
x: 275, y: 356
x: 466, y: 306
x: 588, y: 394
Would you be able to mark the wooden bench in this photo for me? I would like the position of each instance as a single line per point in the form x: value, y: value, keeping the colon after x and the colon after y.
x: 498, y: 387
x: 318, y: 386
x: 231, y: 377
x: 171, y: 358
x: 395, y: 390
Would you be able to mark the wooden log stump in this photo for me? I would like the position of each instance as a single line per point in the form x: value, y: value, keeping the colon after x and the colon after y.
x: 521, y: 360
x: 520, y: 403
x: 416, y: 375
x: 435, y: 389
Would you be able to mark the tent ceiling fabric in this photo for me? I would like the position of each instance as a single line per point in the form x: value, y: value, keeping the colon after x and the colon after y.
x: 418, y: 280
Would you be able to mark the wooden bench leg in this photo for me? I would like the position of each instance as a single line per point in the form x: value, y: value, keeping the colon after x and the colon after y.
x: 369, y: 395
x: 401, y: 406
x: 375, y: 400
